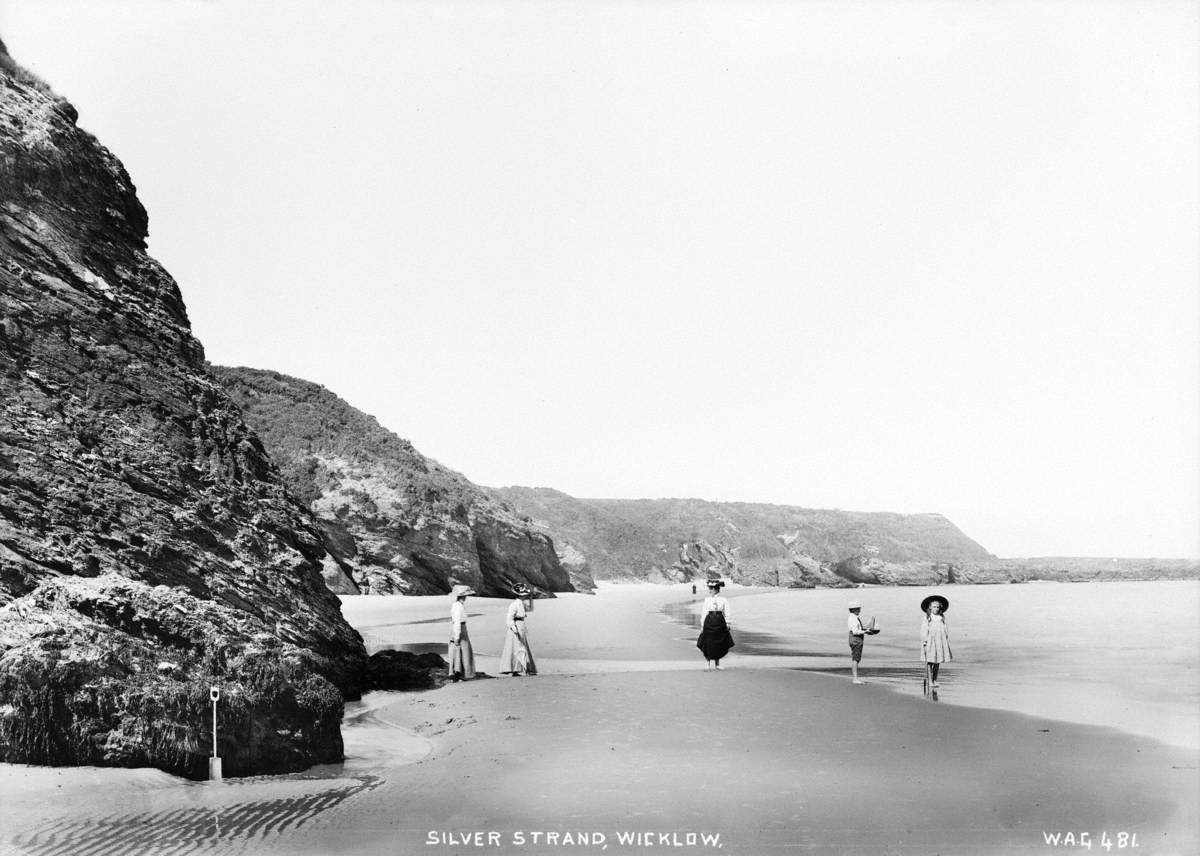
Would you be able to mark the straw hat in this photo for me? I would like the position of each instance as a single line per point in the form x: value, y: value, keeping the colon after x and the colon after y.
x: 925, y: 603
x: 461, y: 591
x: 854, y: 604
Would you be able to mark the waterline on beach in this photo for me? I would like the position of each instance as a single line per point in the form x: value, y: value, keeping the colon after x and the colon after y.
x: 1066, y: 651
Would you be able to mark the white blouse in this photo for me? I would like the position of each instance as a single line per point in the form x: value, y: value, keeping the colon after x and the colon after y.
x: 458, y: 617
x: 716, y: 603
x: 516, y: 610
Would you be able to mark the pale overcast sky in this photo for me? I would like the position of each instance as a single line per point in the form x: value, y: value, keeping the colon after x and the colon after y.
x: 882, y: 256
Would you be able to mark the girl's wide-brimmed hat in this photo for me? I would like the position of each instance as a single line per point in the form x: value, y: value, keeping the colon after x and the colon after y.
x: 520, y: 588
x: 461, y: 591
x: 925, y: 603
x: 715, y: 583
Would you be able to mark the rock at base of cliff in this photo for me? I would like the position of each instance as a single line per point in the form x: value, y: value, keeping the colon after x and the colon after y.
x: 113, y: 672
x: 403, y: 670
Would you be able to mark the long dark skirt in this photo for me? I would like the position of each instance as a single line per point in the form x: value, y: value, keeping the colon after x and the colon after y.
x: 714, y: 639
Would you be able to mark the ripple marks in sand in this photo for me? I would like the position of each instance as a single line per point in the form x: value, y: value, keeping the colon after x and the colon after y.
x: 231, y: 828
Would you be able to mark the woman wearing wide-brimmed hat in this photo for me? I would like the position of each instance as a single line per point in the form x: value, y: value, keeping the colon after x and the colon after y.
x: 516, y: 658
x: 935, y: 641
x: 714, y: 640
x: 461, y: 655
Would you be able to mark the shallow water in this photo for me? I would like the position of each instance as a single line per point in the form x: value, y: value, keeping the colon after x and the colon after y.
x: 1120, y: 654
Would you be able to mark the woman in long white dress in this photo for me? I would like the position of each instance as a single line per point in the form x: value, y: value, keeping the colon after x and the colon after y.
x: 515, y: 658
x: 461, y: 655
x: 935, y: 639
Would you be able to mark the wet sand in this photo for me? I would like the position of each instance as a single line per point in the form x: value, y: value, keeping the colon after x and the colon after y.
x: 624, y: 744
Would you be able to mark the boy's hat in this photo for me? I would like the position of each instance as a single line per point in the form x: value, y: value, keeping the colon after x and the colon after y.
x: 715, y: 583
x: 854, y: 604
x: 461, y: 591
x: 521, y: 588
x: 925, y: 603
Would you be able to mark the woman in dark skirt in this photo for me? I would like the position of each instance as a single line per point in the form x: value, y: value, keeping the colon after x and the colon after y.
x: 714, y: 641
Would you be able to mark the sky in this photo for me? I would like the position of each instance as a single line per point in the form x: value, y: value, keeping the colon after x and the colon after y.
x: 877, y: 256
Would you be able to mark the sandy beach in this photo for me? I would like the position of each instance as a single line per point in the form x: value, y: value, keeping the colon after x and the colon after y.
x: 625, y: 744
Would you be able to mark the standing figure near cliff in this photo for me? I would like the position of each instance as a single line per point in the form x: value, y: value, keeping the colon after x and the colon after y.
x: 935, y: 641
x: 461, y: 655
x: 516, y: 658
x: 714, y: 640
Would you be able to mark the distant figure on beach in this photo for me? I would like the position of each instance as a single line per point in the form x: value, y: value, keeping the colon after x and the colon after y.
x: 935, y: 641
x: 461, y: 655
x: 693, y: 588
x: 714, y: 640
x: 515, y: 658
x: 857, y: 634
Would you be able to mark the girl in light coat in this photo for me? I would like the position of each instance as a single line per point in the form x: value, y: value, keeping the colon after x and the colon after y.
x: 935, y: 640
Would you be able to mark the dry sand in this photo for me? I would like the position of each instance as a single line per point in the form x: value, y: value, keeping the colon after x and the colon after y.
x: 624, y: 734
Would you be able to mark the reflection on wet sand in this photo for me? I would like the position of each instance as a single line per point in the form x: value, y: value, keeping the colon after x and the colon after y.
x: 238, y: 815
x: 746, y: 642
x: 238, y: 824
x: 903, y: 677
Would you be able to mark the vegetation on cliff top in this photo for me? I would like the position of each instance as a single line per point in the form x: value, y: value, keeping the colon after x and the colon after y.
x: 304, y: 424
x: 395, y: 521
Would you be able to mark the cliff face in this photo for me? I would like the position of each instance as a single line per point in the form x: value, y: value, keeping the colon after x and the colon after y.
x: 609, y: 545
x: 680, y: 539
x: 394, y: 521
x: 148, y: 547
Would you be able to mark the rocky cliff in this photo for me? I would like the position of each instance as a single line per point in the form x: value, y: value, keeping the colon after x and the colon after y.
x: 148, y: 546
x: 394, y: 520
x: 680, y: 539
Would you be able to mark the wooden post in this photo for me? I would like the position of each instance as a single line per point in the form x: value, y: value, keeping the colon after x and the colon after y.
x: 214, y: 763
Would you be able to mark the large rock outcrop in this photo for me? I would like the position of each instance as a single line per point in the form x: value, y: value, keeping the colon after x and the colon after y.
x: 395, y: 522
x: 148, y: 547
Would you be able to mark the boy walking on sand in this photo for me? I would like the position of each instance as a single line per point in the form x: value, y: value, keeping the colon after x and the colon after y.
x: 857, y: 634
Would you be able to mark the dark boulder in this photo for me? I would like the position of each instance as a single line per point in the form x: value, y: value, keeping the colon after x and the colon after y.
x: 403, y: 670
x: 113, y: 672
